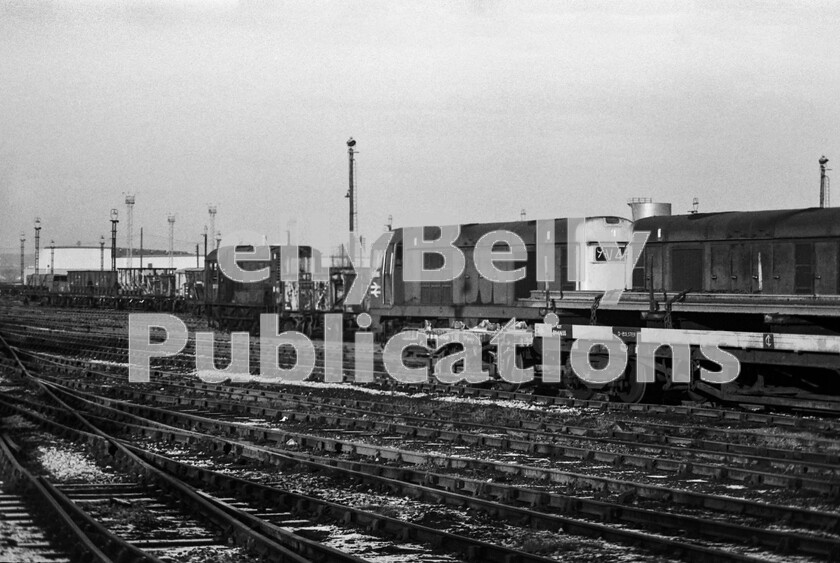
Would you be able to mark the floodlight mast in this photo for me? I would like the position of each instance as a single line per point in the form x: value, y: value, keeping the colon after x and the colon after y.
x: 171, y: 219
x: 824, y: 183
x: 351, y: 195
x: 114, y: 220
x: 22, y: 240
x: 211, y: 209
x: 129, y: 203
x: 37, y: 244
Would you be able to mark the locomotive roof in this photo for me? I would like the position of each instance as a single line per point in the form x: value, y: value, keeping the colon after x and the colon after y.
x: 304, y: 251
x: 471, y: 232
x: 781, y: 223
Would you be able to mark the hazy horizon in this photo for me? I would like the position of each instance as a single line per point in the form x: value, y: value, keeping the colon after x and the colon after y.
x: 463, y: 112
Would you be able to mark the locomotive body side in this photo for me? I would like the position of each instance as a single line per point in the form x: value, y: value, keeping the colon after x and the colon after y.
x: 471, y: 297
x: 789, y: 252
x: 234, y: 305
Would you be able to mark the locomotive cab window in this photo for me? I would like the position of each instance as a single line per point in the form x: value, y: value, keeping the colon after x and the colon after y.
x: 610, y: 253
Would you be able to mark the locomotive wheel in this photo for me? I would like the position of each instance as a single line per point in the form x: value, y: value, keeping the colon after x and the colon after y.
x: 578, y: 388
x: 630, y: 391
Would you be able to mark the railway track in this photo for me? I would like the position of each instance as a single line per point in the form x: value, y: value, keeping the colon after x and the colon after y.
x: 248, y: 514
x: 25, y: 537
x: 65, y: 338
x: 774, y: 538
x: 688, y: 481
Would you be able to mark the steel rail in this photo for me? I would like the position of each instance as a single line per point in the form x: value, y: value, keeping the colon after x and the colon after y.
x: 702, y: 413
x: 234, y: 527
x: 801, y: 457
x: 537, y: 499
x: 823, y: 520
x: 520, y: 516
x: 470, y: 548
x: 90, y: 540
x: 548, y: 449
x: 730, y: 452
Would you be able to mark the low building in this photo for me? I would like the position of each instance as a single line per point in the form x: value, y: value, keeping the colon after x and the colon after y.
x: 61, y: 259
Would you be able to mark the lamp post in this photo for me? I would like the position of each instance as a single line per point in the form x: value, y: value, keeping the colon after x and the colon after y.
x: 351, y: 195
x: 114, y: 220
x: 37, y: 242
x: 101, y: 253
x: 205, y: 243
x: 22, y: 240
x: 824, y: 196
x: 218, y: 239
x: 52, y: 256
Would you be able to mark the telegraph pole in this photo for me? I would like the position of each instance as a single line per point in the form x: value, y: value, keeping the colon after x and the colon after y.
x: 101, y: 253
x: 52, y: 256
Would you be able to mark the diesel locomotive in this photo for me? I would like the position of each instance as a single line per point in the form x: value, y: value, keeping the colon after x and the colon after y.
x: 764, y: 286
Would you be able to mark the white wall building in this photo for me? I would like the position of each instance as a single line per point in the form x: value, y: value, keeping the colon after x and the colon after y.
x: 94, y: 257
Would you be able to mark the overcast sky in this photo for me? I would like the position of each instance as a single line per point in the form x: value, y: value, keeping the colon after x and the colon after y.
x: 463, y: 111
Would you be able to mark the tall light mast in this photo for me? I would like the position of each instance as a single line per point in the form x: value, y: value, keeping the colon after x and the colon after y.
x: 825, y: 195
x: 37, y: 242
x: 211, y: 209
x: 114, y: 220
x: 351, y: 195
x: 129, y: 203
x: 22, y: 240
x: 171, y: 218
